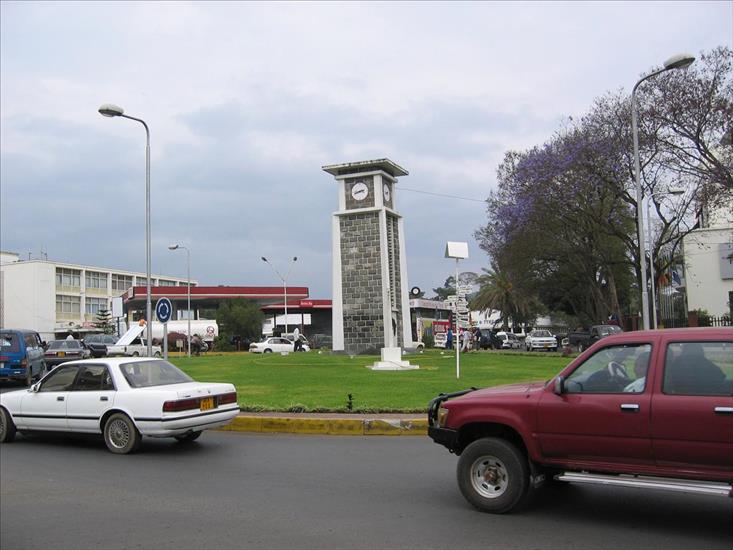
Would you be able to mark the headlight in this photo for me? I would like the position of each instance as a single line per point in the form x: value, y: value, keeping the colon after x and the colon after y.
x: 442, y: 417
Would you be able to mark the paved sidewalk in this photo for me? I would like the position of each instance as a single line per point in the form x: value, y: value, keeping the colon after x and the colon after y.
x: 330, y: 423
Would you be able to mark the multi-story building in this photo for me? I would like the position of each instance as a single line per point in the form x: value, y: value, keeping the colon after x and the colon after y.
x: 708, y: 252
x: 55, y: 298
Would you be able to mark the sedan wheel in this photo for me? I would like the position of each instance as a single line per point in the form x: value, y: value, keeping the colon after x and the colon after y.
x: 121, y: 435
x: 7, y: 427
x: 267, y: 351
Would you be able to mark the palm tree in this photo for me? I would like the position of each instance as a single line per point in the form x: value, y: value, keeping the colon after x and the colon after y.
x: 497, y: 292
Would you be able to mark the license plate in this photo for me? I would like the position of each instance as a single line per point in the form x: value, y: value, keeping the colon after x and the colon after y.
x: 207, y: 403
x: 61, y: 354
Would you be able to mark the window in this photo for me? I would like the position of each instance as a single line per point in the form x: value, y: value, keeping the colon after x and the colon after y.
x: 612, y: 370
x: 68, y: 304
x: 95, y: 279
x: 144, y: 374
x: 164, y: 282
x: 31, y: 341
x: 61, y: 379
x: 141, y: 281
x: 121, y: 282
x: 68, y: 277
x: 93, y: 378
x: 698, y: 368
x: 95, y: 305
x: 9, y: 342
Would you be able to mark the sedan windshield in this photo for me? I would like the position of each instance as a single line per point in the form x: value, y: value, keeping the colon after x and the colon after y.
x: 144, y: 374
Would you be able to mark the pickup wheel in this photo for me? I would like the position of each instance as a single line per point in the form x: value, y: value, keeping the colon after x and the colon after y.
x: 493, y: 475
x: 135, y: 354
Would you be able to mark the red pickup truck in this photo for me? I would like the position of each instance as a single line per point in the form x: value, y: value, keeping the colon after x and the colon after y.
x: 649, y: 409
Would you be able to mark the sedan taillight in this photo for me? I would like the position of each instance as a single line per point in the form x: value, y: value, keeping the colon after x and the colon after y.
x: 180, y: 405
x: 227, y: 398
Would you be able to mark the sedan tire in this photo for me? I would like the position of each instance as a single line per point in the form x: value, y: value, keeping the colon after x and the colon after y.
x: 267, y: 351
x: 493, y: 475
x: 7, y: 427
x: 121, y: 435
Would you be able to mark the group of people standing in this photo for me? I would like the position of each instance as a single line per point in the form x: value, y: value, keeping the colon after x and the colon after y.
x: 468, y: 339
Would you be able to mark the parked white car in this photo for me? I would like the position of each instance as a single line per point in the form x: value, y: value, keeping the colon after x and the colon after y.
x: 274, y: 344
x: 508, y: 340
x: 540, y: 339
x: 121, y: 398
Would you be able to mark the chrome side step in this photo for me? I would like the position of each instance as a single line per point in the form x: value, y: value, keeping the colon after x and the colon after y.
x: 666, y: 484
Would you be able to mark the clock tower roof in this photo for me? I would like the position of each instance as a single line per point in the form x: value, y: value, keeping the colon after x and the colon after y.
x: 348, y: 168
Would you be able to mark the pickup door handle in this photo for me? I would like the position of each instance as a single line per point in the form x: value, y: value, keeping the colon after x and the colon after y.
x: 631, y: 407
x: 60, y: 398
x: 104, y: 398
x: 723, y: 410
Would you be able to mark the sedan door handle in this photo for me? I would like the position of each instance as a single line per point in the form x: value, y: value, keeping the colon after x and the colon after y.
x: 631, y: 407
x: 60, y: 398
x: 104, y: 398
x: 723, y: 410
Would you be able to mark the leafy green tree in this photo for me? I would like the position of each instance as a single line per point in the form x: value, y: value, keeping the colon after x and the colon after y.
x: 239, y: 317
x: 104, y: 322
x: 498, y: 292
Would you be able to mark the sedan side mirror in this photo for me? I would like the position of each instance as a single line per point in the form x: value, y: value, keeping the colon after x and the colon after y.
x: 35, y: 387
x: 559, y: 387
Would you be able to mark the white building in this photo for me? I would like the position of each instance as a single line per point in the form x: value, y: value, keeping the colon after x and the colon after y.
x: 54, y: 298
x: 708, y: 253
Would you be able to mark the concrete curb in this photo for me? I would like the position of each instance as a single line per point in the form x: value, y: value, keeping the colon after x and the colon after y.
x: 327, y: 426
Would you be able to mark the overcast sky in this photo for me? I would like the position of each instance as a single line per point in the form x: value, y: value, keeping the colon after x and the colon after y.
x: 246, y: 102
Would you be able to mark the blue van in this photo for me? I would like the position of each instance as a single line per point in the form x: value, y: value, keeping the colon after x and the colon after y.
x: 21, y: 355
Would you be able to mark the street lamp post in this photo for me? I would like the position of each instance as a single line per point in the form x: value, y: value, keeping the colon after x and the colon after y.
x: 285, y: 285
x: 671, y: 191
x: 110, y: 110
x: 676, y: 62
x: 188, y: 289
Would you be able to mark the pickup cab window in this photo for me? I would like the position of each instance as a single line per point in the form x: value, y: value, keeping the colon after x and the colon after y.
x: 613, y: 369
x: 698, y: 368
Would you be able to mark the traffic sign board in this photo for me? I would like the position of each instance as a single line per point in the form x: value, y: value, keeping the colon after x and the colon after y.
x: 163, y: 310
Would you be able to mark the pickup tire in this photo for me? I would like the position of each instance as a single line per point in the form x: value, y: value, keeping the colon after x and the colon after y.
x: 493, y: 475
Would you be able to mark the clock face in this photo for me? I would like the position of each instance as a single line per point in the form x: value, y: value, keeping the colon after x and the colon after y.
x: 387, y: 193
x: 359, y: 191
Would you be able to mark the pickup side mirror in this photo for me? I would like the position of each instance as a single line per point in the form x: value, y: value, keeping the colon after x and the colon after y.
x: 559, y: 387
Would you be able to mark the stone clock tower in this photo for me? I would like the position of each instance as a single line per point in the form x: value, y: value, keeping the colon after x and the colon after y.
x: 370, y: 302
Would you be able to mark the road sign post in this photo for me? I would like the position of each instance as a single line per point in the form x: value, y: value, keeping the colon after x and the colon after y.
x: 163, y: 310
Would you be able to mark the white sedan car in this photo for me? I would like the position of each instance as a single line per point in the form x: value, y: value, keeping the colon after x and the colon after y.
x: 540, y: 339
x: 274, y: 344
x: 121, y: 398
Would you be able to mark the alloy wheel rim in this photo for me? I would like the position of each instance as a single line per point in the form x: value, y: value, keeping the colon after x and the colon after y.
x: 489, y: 476
x: 119, y: 434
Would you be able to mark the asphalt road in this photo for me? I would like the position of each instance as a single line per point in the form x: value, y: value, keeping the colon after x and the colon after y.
x: 234, y: 490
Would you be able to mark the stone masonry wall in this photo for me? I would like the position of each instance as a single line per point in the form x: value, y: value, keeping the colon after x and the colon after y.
x: 361, y: 283
x: 368, y: 202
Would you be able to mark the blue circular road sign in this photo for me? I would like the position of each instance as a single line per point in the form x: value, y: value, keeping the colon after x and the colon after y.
x: 163, y: 310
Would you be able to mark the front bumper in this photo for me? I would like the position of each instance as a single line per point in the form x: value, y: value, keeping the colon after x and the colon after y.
x: 444, y: 436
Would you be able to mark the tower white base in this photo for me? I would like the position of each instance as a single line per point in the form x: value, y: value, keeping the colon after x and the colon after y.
x: 392, y: 360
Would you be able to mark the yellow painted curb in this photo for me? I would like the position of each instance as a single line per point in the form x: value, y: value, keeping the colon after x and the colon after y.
x: 326, y: 426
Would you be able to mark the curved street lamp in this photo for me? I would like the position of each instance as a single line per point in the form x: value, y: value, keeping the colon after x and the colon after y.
x: 188, y: 293
x: 285, y: 286
x: 110, y: 110
x: 676, y: 62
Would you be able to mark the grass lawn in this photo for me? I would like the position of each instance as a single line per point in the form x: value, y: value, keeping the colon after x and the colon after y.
x: 313, y: 382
